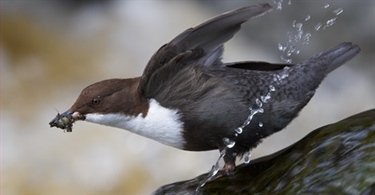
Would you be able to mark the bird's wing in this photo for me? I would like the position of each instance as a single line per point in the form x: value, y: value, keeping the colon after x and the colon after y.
x: 201, y: 45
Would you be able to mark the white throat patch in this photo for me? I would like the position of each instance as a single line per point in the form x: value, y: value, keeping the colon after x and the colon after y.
x: 160, y: 124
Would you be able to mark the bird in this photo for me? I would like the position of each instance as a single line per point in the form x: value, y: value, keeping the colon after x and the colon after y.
x: 188, y: 98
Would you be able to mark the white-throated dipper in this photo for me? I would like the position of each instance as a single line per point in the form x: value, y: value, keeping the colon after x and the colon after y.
x: 189, y: 99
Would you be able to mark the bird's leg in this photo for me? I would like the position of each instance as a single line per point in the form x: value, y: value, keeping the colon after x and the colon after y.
x: 230, y: 162
x: 229, y: 168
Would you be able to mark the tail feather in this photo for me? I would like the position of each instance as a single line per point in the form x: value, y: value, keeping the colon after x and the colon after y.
x: 335, y: 57
x: 311, y: 72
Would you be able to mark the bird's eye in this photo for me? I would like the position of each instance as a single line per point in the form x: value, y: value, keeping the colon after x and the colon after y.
x: 95, y: 101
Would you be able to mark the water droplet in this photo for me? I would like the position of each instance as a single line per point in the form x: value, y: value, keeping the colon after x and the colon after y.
x: 259, y: 103
x: 260, y: 124
x: 246, y: 123
x: 299, y: 25
x: 222, y: 154
x: 331, y: 22
x: 275, y: 78
x: 306, y: 38
x: 214, y: 170
x: 249, y: 118
x: 279, y: 5
x: 281, y: 47
x: 272, y: 88
x: 256, y: 111
x: 299, y: 34
x: 284, y: 75
x: 338, y: 11
x: 307, y: 17
x: 279, y: 77
x: 326, y: 6
x: 239, y: 130
x: 265, y: 98
x: 247, y: 157
x: 228, y: 142
x: 289, y: 61
x: 318, y: 26
x: 290, y: 36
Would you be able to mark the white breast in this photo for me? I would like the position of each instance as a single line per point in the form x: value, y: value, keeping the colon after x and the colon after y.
x: 160, y: 124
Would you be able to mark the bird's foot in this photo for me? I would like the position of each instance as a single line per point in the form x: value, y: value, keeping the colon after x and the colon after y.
x: 229, y: 168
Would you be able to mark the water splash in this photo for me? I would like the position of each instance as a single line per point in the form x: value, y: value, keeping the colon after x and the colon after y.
x: 213, y: 172
x: 259, y: 102
x: 307, y: 17
x: 293, y: 38
x: 279, y: 4
x: 338, y: 11
x: 253, y: 112
x: 228, y: 142
x: 266, y: 97
x: 298, y: 26
x: 318, y: 26
x: 306, y: 38
x: 238, y: 130
x: 329, y: 22
x: 299, y: 36
x: 247, y: 157
x: 278, y: 78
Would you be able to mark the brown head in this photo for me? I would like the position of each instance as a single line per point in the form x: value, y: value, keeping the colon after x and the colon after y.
x: 112, y: 96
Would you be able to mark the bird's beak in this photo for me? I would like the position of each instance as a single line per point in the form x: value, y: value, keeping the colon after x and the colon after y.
x: 66, y: 120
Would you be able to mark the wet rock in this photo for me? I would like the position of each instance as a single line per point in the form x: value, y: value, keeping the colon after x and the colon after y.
x: 334, y: 159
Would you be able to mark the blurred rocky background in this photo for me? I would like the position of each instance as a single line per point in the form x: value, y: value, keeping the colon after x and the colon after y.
x: 51, y: 50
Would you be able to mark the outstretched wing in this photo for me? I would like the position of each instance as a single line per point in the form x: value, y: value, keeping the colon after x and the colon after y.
x: 201, y: 45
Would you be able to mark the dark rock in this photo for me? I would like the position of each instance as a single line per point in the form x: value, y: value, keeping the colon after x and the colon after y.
x: 334, y: 159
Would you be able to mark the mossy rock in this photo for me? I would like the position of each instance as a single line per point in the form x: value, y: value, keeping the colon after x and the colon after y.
x: 334, y: 159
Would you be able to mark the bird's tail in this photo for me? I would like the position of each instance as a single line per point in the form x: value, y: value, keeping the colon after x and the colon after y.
x: 312, y: 71
x: 335, y: 57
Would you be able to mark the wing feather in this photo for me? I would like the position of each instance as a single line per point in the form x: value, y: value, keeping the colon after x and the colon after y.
x: 203, y: 42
